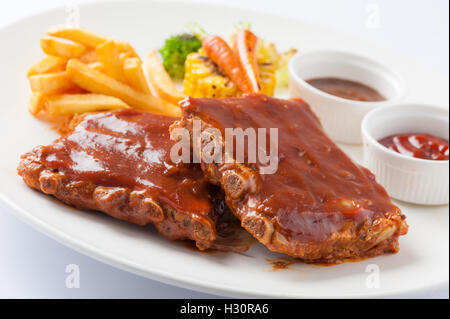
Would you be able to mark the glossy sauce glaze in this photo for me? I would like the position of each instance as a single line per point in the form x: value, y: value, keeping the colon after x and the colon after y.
x: 128, y: 149
x: 424, y: 146
x: 317, y: 188
x: 350, y: 90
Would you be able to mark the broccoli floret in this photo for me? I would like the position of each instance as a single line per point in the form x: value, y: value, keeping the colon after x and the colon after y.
x: 175, y: 50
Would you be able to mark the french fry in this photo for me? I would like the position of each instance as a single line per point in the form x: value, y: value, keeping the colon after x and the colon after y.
x: 79, y: 35
x: 48, y: 64
x: 87, y: 38
x: 99, y: 83
x: 37, y: 102
x: 108, y: 54
x: 126, y: 47
x: 62, y: 47
x: 98, y: 66
x: 49, y: 83
x: 125, y: 55
x: 160, y: 80
x: 89, y: 57
x: 75, y: 90
x: 66, y: 104
x: 135, y: 76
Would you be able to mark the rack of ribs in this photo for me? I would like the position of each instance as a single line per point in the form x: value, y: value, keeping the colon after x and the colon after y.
x: 119, y: 163
x: 319, y: 205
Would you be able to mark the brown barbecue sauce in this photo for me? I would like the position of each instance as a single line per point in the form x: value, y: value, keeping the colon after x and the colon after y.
x: 347, y: 89
x: 129, y: 149
x: 317, y: 188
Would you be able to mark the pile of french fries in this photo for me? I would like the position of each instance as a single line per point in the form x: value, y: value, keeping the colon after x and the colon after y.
x: 87, y: 72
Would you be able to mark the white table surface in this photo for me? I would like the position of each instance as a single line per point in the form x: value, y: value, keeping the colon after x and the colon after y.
x: 33, y: 265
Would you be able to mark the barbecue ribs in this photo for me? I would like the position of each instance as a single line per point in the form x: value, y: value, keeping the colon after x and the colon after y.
x: 319, y: 205
x: 119, y: 163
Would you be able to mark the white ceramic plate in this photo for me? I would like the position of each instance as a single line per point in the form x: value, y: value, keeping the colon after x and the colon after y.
x: 421, y: 265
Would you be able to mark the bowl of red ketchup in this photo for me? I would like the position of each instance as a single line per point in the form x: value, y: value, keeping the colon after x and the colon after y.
x: 406, y: 146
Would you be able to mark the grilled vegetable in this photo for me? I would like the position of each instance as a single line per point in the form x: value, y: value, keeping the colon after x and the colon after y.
x: 175, y: 50
x: 218, y: 50
x: 267, y: 77
x: 244, y: 47
x: 204, y: 78
x: 268, y: 52
x: 267, y: 58
x: 282, y: 73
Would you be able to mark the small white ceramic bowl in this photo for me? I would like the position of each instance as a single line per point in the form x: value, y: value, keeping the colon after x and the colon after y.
x: 341, y: 118
x: 407, y: 178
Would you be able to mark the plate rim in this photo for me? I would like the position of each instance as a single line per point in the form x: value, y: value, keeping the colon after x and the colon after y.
x: 157, y: 274
x: 184, y: 282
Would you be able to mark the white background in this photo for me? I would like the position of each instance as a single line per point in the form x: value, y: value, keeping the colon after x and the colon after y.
x: 33, y: 265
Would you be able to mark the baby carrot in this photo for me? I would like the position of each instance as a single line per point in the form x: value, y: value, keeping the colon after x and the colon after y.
x: 218, y: 50
x: 244, y: 46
